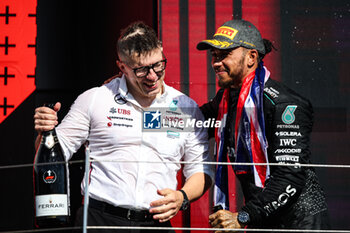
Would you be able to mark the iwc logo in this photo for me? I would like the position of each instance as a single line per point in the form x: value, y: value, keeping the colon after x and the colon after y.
x: 49, y: 177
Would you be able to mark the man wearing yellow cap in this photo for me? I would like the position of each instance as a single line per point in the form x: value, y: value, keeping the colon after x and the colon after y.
x: 263, y: 123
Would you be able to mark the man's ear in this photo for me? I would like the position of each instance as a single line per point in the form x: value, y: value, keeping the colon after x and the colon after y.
x: 252, y: 57
x: 121, y: 66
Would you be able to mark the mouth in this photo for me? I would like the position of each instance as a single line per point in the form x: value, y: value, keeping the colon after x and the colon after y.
x: 219, y: 72
x: 153, y: 85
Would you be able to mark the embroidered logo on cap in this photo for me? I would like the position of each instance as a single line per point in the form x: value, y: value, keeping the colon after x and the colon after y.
x: 222, y: 44
x: 226, y: 32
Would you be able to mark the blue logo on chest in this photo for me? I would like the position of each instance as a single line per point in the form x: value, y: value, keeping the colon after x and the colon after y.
x: 151, y: 120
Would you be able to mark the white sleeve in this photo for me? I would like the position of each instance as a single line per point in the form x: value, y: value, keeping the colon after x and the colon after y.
x: 73, y: 131
x: 197, y: 150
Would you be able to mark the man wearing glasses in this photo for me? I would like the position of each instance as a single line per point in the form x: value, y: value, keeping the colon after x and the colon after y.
x: 136, y: 185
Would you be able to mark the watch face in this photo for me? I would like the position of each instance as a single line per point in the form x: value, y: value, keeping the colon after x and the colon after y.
x: 185, y: 204
x: 243, y: 217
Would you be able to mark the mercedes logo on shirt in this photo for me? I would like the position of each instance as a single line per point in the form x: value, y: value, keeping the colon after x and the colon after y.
x: 119, y: 99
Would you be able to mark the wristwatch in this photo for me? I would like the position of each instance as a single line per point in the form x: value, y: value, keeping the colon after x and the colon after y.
x: 243, y: 217
x: 186, y: 202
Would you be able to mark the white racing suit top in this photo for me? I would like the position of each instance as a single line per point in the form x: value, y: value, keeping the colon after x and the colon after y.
x: 130, y: 163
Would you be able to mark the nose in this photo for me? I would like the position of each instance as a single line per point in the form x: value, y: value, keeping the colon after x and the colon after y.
x: 152, y: 75
x: 215, y: 63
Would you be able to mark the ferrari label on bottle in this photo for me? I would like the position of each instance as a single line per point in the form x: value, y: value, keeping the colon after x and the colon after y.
x: 51, y: 205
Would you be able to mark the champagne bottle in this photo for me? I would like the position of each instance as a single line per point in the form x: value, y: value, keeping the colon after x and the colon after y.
x: 51, y: 183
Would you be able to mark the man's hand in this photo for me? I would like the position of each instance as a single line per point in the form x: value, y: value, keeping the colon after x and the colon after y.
x: 224, y: 219
x: 45, y: 118
x: 167, y: 207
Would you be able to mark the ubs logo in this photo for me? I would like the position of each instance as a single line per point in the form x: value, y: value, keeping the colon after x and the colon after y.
x: 119, y: 99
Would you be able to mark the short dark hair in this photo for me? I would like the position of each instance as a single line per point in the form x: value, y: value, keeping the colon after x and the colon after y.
x: 137, y: 39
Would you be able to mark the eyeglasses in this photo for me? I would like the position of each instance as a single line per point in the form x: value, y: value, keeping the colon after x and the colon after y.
x: 157, y: 67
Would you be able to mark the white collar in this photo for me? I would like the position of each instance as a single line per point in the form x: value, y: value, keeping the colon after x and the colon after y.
x: 124, y: 92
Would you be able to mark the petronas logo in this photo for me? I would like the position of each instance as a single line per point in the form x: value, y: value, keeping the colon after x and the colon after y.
x: 288, y: 116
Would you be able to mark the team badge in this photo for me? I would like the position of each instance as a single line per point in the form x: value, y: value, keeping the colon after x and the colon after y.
x: 151, y: 119
x: 288, y: 116
x: 119, y: 99
x: 173, y: 105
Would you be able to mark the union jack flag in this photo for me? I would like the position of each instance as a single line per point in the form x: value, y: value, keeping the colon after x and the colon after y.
x: 250, y: 139
x: 250, y: 126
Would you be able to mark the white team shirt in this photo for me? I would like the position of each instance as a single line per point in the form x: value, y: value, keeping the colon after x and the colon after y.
x: 142, y: 162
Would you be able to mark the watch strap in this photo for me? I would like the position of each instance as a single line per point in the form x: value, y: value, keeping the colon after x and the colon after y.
x: 185, y: 202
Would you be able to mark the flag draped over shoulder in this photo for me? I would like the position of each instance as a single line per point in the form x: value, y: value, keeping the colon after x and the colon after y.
x: 250, y: 139
x: 221, y: 177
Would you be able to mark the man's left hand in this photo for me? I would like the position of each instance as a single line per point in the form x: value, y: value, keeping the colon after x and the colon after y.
x: 224, y: 219
x: 167, y: 207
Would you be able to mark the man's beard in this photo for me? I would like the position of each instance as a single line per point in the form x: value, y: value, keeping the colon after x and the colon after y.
x: 235, y: 79
x: 226, y: 83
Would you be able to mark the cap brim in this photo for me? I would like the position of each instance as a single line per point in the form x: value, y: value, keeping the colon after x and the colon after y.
x: 208, y: 44
x: 203, y: 45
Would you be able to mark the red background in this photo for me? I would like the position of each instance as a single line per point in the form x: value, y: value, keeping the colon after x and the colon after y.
x: 75, y: 50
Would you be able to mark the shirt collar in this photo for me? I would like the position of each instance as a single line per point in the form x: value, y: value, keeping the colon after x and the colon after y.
x: 124, y: 92
x: 123, y: 88
x: 164, y: 95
